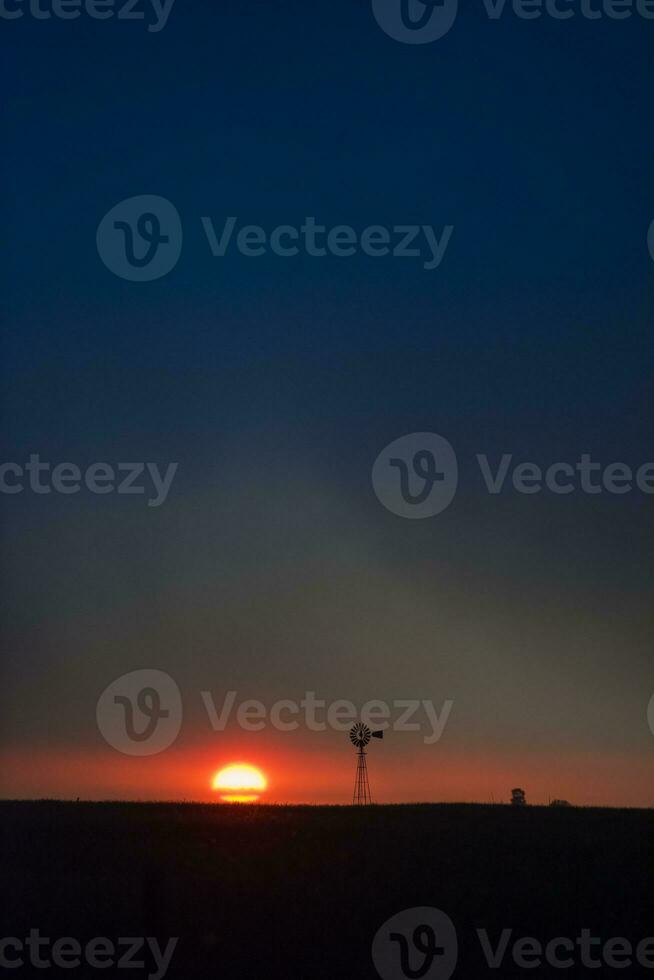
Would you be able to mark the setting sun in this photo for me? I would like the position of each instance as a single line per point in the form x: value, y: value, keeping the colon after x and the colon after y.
x: 241, y: 783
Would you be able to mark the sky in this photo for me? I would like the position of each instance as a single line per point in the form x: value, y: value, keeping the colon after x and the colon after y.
x: 271, y: 567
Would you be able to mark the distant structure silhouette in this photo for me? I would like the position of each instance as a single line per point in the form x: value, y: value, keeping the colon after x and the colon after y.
x: 518, y: 797
x: 360, y: 735
x: 563, y: 803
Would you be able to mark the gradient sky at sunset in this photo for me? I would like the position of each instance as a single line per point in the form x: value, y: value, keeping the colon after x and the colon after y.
x: 272, y: 569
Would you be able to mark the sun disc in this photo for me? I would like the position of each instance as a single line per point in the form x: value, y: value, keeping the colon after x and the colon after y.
x: 240, y: 783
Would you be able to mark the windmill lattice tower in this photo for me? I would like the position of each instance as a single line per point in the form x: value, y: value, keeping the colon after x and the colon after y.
x: 360, y: 735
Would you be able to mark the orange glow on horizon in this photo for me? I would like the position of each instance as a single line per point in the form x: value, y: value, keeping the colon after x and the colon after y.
x: 240, y: 780
x: 299, y: 774
x: 229, y: 798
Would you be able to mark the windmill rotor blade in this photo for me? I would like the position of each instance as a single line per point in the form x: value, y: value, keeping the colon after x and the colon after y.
x: 360, y: 735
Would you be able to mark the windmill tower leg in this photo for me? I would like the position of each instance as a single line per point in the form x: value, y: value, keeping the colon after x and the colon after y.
x: 361, y: 785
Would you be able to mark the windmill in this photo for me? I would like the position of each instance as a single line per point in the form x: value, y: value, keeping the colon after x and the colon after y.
x: 360, y: 735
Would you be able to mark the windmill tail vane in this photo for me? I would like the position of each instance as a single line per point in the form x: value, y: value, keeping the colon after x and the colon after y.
x: 360, y: 735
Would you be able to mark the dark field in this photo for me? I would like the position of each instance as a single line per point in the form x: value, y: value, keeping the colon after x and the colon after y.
x: 299, y: 892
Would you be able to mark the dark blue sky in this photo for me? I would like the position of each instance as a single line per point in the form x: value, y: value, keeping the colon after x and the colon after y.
x: 275, y: 382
